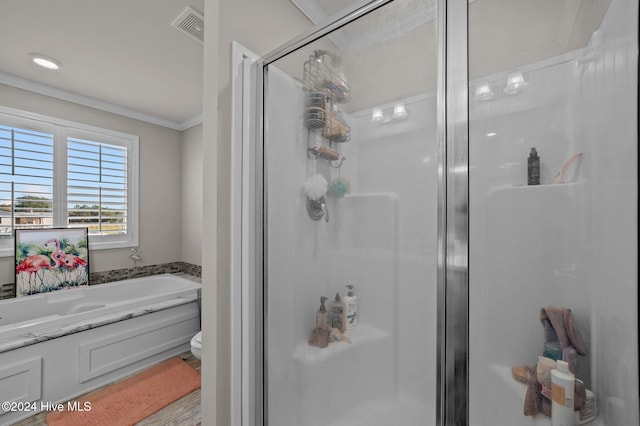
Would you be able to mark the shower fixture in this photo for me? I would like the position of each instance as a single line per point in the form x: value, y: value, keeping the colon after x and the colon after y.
x: 135, y: 256
x: 317, y: 209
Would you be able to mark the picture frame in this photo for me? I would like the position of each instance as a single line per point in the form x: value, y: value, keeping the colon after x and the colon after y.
x: 50, y: 259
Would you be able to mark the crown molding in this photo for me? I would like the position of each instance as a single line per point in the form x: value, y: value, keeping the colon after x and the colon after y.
x: 187, y: 124
x: 43, y: 89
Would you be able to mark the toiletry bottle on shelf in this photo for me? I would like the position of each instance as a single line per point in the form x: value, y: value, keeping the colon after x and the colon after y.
x: 588, y: 412
x: 570, y: 356
x: 323, y: 320
x: 351, y: 306
x: 562, y: 390
x: 322, y: 331
x: 337, y: 314
x: 533, y: 168
x: 553, y: 350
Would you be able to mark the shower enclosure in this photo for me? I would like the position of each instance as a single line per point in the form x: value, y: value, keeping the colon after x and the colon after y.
x: 470, y: 170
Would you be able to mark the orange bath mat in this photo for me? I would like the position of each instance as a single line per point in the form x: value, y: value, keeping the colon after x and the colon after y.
x: 131, y: 400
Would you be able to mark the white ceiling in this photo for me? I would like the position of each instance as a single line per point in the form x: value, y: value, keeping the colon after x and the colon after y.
x: 122, y: 56
x: 397, y: 44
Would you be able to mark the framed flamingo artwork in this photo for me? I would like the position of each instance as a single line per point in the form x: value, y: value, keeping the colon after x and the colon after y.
x: 51, y: 259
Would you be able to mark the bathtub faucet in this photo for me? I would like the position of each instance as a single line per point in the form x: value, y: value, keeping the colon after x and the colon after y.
x: 135, y: 256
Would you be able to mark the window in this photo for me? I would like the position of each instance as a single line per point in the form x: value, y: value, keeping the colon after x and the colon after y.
x: 55, y: 173
x: 26, y: 179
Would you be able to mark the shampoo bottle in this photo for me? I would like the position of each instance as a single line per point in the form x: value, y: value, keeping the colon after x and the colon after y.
x: 351, y: 306
x: 562, y: 390
x: 337, y: 314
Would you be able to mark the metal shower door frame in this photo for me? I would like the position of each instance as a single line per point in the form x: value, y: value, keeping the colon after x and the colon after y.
x: 453, y: 206
x: 452, y: 395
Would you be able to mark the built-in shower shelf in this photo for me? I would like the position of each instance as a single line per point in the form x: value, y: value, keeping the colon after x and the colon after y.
x: 543, y: 187
x: 518, y: 389
x: 559, y: 186
x: 364, y: 334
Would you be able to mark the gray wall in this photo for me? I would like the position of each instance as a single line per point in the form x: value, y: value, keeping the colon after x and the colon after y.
x: 191, y: 195
x: 260, y: 27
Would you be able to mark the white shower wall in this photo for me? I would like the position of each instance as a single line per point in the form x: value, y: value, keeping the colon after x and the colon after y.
x: 380, y: 238
x: 572, y: 245
x: 610, y: 106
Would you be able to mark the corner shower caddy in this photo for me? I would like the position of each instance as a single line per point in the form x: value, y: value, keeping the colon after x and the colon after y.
x: 325, y: 88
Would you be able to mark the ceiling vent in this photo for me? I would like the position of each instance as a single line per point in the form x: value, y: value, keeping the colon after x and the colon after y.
x: 190, y: 23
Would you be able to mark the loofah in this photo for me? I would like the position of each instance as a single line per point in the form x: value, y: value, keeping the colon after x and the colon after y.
x: 521, y: 373
x: 340, y: 187
x: 315, y: 187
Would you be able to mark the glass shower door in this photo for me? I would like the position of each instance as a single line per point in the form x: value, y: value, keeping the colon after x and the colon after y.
x: 350, y: 183
x: 553, y: 210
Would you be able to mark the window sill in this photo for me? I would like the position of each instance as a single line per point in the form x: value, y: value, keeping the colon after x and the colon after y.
x: 94, y: 244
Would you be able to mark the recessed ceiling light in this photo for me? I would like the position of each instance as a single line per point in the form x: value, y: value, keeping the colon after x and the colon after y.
x: 45, y: 61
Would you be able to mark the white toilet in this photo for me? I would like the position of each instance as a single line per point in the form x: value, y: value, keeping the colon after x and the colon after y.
x: 196, y: 344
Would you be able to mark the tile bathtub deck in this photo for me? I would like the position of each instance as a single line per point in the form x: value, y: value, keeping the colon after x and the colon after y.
x: 183, y: 412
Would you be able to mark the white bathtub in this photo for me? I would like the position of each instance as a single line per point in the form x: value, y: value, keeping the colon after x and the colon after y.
x: 56, y: 346
x: 42, y: 313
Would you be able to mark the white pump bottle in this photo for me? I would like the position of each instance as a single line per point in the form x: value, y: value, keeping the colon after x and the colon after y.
x: 351, y: 307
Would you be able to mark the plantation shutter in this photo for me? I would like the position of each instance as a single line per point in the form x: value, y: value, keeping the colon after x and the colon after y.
x: 97, y: 186
x: 56, y: 174
x: 26, y: 179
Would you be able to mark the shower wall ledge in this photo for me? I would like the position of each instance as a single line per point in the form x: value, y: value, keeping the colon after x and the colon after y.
x: 517, y: 391
x: 309, y: 355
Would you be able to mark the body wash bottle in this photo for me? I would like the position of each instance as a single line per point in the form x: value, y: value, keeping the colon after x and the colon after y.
x: 351, y: 306
x: 337, y: 314
x: 562, y: 390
